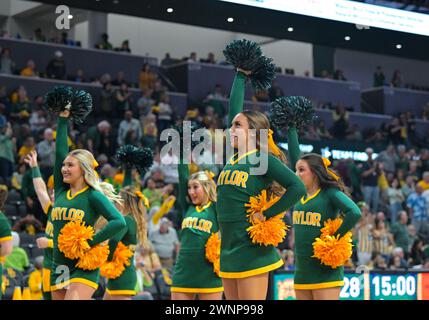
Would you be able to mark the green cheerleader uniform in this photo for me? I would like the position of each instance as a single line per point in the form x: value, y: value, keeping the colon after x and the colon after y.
x: 240, y: 257
x: 47, y: 252
x: 125, y: 284
x: 309, y: 215
x: 87, y: 205
x: 5, y: 235
x: 193, y: 273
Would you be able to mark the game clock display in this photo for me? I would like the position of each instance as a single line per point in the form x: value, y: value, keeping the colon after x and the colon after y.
x: 365, y: 286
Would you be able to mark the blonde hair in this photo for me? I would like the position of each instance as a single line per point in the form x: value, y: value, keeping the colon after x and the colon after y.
x: 257, y: 120
x: 86, y: 162
x: 207, y: 183
x: 135, y: 206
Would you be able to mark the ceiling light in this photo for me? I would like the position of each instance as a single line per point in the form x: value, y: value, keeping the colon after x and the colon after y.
x: 170, y: 10
x: 290, y: 29
x: 398, y: 46
x: 347, y: 38
x: 230, y: 19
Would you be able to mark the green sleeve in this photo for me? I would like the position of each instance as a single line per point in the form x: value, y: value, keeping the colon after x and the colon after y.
x: 127, y: 178
x: 102, y: 206
x: 295, y: 189
x: 293, y: 147
x: 113, y: 242
x: 183, y: 188
x: 61, y: 150
x: 236, y: 98
x: 350, y: 210
x: 5, y: 231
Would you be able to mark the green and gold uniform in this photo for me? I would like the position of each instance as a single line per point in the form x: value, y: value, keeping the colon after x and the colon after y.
x: 125, y: 284
x: 193, y: 273
x: 309, y: 215
x: 87, y: 205
x: 240, y: 257
x: 47, y: 252
x: 5, y: 235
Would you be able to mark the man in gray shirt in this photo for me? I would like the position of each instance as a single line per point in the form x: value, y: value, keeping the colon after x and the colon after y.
x: 129, y: 124
x: 165, y: 242
x: 46, y: 153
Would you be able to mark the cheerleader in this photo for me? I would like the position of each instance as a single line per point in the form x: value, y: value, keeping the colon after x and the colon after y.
x: 5, y: 235
x: 244, y: 265
x: 193, y: 273
x: 322, y: 218
x: 120, y: 269
x: 46, y: 243
x: 80, y: 199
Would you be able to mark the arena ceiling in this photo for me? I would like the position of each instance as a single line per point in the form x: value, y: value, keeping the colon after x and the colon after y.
x: 274, y: 24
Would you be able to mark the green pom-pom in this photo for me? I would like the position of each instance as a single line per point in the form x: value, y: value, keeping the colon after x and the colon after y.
x: 294, y: 110
x: 58, y: 99
x: 247, y: 55
x: 81, y: 106
x: 131, y: 156
x: 78, y: 102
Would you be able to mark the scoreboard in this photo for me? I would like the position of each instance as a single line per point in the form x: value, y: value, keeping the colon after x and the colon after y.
x: 374, y: 285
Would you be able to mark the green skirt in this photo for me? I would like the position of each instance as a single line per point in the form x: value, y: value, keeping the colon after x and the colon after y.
x: 125, y: 284
x: 239, y: 257
x: 310, y: 274
x: 64, y: 275
x: 193, y: 273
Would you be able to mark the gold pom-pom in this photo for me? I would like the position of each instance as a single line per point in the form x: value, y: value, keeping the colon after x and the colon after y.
x: 333, y: 251
x: 121, y: 258
x: 265, y: 232
x: 94, y: 258
x: 268, y: 232
x: 213, y: 251
x: 73, y: 239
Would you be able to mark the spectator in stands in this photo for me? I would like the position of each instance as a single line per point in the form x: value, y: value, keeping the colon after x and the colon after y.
x: 150, y: 131
x: 322, y: 131
x: 38, y: 35
x: 168, y: 166
x: 124, y: 100
x: 29, y: 70
x: 104, y: 44
x: 7, y: 65
x: 35, y: 279
x: 129, y: 124
x: 158, y: 90
x: 21, y: 108
x: 325, y: 75
x: 210, y: 58
x: 65, y: 39
x: 46, y: 153
x: 369, y: 176
x: 125, y: 46
x: 165, y: 242
x: 215, y: 98
x: 341, y: 122
x: 18, y: 176
x: 353, y: 133
x: 147, y: 78
x: 275, y: 91
x: 397, y: 80
x: 18, y: 259
x: 383, y: 239
x: 100, y: 139
x: 261, y: 96
x: 398, y: 259
x: 400, y: 232
x: 145, y: 103
x: 165, y: 114
x: 288, y: 259
x: 417, y: 256
x: 396, y: 198
x: 389, y: 158
x: 56, y: 68
x: 153, y: 194
x: 339, y: 75
x: 379, y: 262
x: 7, y: 158
x: 120, y: 78
x: 412, y: 236
x: 167, y: 61
x: 37, y: 121
x: 193, y: 57
x: 379, y: 78
x: 79, y: 76
x: 424, y: 183
x: 311, y: 134
x: 418, y: 211
x: 28, y: 146
x: 107, y: 99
